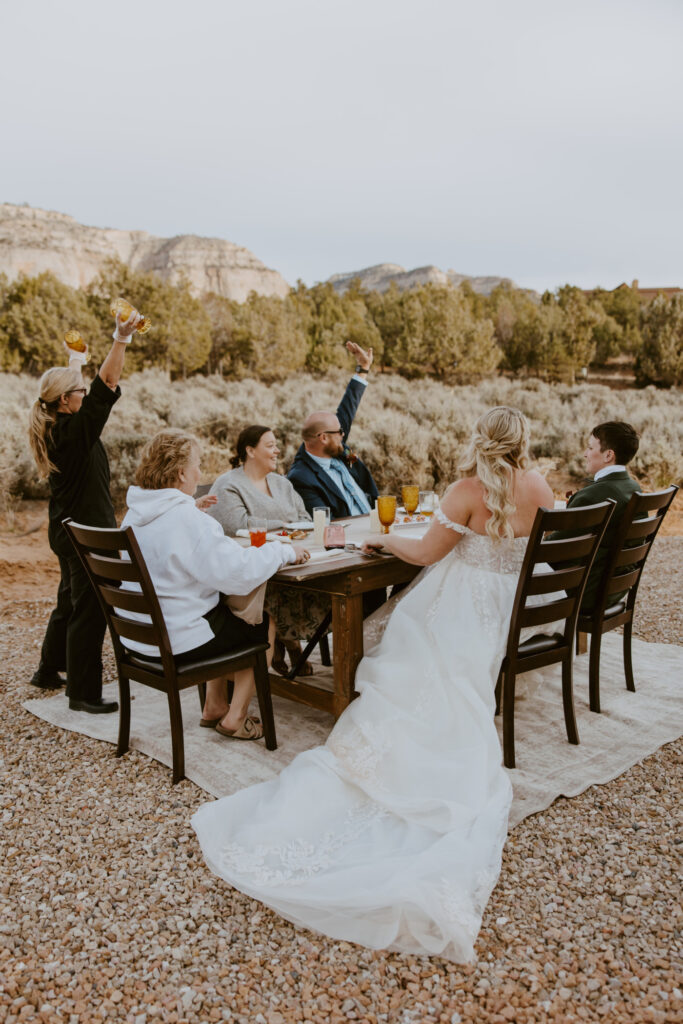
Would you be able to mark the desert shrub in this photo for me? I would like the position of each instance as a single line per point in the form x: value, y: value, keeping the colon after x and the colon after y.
x: 660, y: 359
x: 404, y: 430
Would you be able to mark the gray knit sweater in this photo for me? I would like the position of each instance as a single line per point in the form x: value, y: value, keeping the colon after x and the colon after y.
x: 238, y: 498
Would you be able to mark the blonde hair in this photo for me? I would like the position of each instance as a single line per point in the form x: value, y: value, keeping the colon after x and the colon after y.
x: 499, y: 444
x: 54, y: 383
x: 163, y: 457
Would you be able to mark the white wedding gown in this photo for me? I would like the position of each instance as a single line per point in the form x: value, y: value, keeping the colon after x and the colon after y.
x: 391, y: 834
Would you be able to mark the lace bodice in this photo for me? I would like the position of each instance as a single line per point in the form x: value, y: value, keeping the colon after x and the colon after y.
x: 482, y: 552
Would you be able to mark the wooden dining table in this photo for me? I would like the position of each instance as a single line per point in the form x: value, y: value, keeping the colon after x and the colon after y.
x: 345, y: 577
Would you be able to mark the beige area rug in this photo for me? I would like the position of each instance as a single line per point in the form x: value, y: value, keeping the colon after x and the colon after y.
x: 631, y: 726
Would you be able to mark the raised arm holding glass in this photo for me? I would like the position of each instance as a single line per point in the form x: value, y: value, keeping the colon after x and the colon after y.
x: 66, y: 422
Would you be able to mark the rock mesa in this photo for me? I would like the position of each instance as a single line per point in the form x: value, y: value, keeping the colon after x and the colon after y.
x: 33, y: 240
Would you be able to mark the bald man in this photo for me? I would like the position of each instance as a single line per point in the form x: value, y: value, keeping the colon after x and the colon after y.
x: 324, y: 472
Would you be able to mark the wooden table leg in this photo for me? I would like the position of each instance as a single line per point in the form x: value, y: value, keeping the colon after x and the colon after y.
x: 347, y: 638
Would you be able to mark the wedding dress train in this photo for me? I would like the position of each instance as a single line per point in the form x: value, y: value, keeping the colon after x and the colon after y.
x: 391, y: 834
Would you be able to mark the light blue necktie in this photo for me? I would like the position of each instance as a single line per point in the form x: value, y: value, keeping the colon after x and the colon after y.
x: 355, y: 498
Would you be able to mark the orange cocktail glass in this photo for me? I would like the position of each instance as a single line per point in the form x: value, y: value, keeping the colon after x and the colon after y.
x: 410, y: 496
x: 125, y: 310
x: 386, y: 510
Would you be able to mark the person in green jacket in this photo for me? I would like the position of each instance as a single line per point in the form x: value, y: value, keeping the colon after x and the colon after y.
x: 610, y: 448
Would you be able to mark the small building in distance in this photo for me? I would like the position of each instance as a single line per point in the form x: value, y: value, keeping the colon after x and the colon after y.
x: 646, y: 294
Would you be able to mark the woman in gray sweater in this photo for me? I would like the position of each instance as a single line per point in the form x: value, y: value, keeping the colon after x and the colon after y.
x: 255, y: 488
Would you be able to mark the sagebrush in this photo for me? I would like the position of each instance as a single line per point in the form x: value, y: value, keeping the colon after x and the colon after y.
x: 406, y: 431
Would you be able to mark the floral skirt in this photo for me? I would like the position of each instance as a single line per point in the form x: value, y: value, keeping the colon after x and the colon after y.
x: 296, y: 613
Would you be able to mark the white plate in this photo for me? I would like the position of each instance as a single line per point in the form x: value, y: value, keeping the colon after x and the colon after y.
x: 400, y: 525
x: 305, y: 525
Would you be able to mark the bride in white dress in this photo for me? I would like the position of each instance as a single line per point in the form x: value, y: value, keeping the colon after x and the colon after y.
x: 391, y: 834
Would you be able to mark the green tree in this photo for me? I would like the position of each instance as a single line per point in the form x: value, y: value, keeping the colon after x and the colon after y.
x: 660, y: 360
x: 623, y: 305
x: 267, y: 337
x: 517, y: 326
x: 386, y: 311
x: 36, y: 314
x: 576, y: 331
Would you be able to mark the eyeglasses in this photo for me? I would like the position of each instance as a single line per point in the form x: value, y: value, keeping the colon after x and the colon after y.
x: 340, y: 432
x: 78, y: 391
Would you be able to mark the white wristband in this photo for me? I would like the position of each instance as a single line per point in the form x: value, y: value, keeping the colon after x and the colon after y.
x: 77, y: 358
x: 119, y: 337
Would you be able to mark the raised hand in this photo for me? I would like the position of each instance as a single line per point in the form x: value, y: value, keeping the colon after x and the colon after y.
x: 125, y: 329
x: 363, y: 357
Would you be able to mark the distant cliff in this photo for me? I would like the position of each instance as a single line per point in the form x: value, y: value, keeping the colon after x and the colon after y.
x: 379, y: 277
x: 33, y: 240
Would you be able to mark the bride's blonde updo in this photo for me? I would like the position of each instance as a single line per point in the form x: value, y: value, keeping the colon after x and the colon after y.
x: 499, y: 444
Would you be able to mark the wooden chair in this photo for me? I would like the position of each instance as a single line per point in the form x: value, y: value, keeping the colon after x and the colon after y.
x: 616, y: 598
x: 102, y: 552
x: 571, y: 560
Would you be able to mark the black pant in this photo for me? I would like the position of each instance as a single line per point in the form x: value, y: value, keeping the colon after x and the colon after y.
x: 75, y: 633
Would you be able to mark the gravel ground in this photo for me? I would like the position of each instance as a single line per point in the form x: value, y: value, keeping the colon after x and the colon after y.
x: 108, y: 912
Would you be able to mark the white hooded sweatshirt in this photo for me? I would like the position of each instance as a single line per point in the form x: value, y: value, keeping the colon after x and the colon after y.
x: 191, y: 562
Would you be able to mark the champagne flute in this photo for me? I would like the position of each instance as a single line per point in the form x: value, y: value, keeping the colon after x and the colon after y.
x: 125, y: 311
x: 410, y: 496
x: 386, y: 510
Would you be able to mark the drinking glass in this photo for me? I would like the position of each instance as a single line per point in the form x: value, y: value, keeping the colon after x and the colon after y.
x: 386, y: 510
x: 427, y: 502
x: 334, y: 537
x: 74, y: 341
x: 125, y: 310
x: 410, y: 496
x: 321, y: 519
x: 257, y: 530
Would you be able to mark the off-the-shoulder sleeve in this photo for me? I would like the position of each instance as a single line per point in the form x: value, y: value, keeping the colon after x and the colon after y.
x: 448, y: 523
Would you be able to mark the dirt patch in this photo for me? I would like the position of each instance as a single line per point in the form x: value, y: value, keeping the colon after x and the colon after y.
x: 28, y: 568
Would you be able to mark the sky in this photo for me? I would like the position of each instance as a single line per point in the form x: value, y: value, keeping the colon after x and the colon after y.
x: 540, y: 140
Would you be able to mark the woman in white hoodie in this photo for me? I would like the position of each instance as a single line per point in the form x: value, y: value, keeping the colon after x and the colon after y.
x: 191, y: 563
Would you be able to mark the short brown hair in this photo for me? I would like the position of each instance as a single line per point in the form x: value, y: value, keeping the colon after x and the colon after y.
x: 163, y: 457
x: 620, y: 437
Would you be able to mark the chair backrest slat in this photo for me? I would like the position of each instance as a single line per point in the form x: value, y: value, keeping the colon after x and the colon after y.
x: 565, y: 578
x: 129, y: 600
x: 631, y: 556
x: 141, y: 632
x: 566, y: 550
x: 97, y: 538
x: 108, y: 568
x: 643, y: 528
x: 617, y: 584
x: 552, y: 611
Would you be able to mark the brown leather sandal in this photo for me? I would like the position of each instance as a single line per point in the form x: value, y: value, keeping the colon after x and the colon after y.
x: 211, y: 723
x: 250, y: 729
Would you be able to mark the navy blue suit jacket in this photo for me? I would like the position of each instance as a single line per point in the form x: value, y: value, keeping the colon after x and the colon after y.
x: 314, y: 484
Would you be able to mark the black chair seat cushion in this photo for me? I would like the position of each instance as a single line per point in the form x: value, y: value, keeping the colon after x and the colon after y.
x: 189, y: 667
x: 539, y: 644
